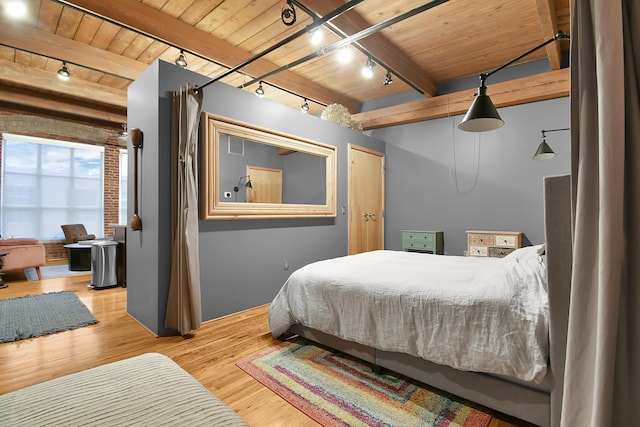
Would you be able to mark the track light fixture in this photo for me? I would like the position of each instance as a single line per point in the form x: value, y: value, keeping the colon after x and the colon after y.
x: 288, y: 14
x: 345, y: 54
x: 482, y: 116
x: 305, y: 106
x: 367, y: 70
x: 387, y: 79
x: 181, y: 61
x: 316, y: 36
x: 260, y: 90
x: 63, y: 72
x: 544, y: 151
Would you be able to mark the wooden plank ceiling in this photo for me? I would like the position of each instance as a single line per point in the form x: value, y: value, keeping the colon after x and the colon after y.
x: 108, y: 44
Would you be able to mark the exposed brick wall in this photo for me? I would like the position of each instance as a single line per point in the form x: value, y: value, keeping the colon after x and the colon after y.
x: 42, y: 127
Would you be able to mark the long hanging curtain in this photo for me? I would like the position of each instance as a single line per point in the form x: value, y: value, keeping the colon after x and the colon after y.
x: 184, y: 311
x: 602, y: 377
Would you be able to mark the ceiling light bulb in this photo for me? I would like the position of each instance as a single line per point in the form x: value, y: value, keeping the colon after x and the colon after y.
x: 387, y: 79
x: 181, y: 61
x: 260, y: 90
x: 316, y: 36
x: 63, y: 73
x: 367, y: 70
x: 305, y: 107
x: 345, y: 54
x: 15, y: 9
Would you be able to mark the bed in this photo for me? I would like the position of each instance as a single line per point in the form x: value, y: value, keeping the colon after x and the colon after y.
x: 146, y: 390
x: 489, y: 330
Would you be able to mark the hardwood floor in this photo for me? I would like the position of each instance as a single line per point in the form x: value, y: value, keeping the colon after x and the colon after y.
x: 209, y: 355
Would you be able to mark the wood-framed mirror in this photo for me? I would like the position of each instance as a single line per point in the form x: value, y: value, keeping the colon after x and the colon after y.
x: 251, y: 172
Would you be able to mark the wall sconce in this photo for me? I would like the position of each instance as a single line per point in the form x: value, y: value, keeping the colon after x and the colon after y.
x: 482, y: 116
x: 136, y: 140
x: 247, y: 184
x: 544, y: 151
x: 123, y: 134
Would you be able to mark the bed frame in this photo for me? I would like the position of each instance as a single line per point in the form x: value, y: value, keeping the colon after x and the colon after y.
x: 537, y: 404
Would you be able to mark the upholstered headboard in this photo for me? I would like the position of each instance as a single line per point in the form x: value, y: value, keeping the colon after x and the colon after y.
x: 557, y: 213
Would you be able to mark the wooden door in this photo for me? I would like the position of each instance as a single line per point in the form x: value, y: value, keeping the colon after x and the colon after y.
x: 266, y: 185
x: 366, y: 200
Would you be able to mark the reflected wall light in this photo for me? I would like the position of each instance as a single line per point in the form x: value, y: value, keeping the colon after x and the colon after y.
x: 482, y: 116
x: 247, y: 184
x: 63, y: 72
x: 544, y: 151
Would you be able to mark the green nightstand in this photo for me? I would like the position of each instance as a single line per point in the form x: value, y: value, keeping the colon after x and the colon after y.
x: 430, y: 242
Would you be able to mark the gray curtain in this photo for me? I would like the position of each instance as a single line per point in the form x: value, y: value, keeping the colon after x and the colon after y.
x: 602, y: 377
x: 184, y: 311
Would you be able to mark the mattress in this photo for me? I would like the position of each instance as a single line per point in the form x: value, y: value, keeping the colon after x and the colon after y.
x: 473, y: 314
x: 147, y: 390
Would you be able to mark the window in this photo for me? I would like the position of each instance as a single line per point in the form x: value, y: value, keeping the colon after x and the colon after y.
x: 47, y: 183
x: 122, y: 200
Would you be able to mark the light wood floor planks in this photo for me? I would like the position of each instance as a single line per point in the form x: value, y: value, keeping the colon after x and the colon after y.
x: 209, y: 355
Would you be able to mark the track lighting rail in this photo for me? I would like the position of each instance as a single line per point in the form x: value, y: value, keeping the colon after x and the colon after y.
x: 317, y: 23
x: 348, y: 40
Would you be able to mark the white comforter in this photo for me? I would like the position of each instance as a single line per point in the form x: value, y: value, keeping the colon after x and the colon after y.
x: 477, y: 314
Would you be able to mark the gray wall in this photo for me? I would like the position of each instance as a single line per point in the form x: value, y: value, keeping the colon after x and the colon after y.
x: 242, y: 262
x: 441, y: 178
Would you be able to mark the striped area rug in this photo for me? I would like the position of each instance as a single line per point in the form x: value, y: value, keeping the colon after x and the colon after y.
x: 337, y: 390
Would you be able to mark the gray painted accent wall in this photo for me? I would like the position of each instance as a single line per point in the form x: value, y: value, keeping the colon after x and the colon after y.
x: 242, y: 262
x: 441, y: 178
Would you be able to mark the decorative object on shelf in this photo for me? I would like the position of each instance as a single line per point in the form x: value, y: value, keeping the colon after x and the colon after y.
x: 482, y: 116
x: 544, y: 152
x: 339, y: 114
x: 496, y: 244
x: 136, y: 140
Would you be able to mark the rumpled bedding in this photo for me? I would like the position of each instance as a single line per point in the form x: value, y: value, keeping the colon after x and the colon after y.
x: 474, y: 314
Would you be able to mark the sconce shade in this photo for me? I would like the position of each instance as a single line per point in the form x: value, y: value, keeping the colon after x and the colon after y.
x: 544, y: 152
x: 482, y: 115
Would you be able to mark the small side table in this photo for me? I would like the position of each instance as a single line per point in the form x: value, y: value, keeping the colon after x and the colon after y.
x: 79, y: 256
x: 2, y: 284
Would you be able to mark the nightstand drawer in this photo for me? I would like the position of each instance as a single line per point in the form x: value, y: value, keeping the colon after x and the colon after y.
x: 423, y: 241
x: 506, y: 241
x: 496, y: 244
x: 481, y: 240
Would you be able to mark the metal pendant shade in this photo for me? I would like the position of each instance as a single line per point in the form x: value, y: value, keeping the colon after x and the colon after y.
x: 544, y: 152
x: 482, y: 116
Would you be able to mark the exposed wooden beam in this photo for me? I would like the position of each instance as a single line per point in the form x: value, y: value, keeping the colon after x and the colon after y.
x: 147, y: 20
x: 54, y: 46
x: 29, y: 77
x: 29, y: 100
x: 377, y: 44
x: 549, y: 26
x: 554, y: 84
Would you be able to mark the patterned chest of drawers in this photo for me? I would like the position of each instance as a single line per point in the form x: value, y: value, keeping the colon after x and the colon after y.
x: 492, y: 243
x: 431, y: 242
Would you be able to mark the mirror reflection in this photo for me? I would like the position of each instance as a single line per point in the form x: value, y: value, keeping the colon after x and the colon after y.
x: 251, y: 172
x: 255, y: 172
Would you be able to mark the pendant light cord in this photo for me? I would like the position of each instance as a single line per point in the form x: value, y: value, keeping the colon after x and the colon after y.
x: 476, y: 155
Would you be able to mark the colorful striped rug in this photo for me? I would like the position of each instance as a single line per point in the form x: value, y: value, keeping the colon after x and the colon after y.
x: 337, y: 390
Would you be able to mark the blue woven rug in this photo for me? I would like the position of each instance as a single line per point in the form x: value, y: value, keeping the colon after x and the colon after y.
x: 36, y: 315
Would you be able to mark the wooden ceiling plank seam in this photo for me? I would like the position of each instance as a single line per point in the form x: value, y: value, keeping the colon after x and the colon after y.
x: 49, y: 16
x: 379, y: 46
x: 87, y: 29
x: 549, y: 28
x: 104, y: 35
x: 30, y: 39
x: 175, y: 32
x: 198, y: 10
x: 69, y: 22
x: 550, y: 85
